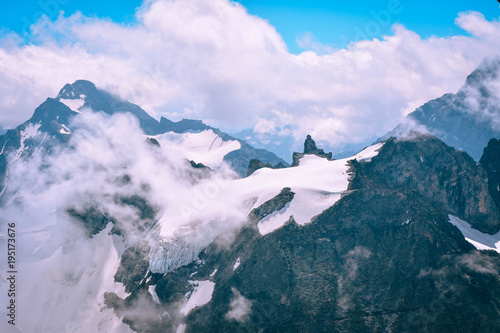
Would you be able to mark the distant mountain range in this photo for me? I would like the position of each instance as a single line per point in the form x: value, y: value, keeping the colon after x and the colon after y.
x: 52, y: 120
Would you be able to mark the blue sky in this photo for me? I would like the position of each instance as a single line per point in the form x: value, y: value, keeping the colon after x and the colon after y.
x: 332, y: 23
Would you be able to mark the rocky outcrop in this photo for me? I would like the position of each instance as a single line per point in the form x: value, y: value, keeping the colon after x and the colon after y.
x: 239, y: 159
x: 256, y: 164
x: 426, y: 165
x: 310, y: 148
x: 490, y: 161
x: 273, y: 205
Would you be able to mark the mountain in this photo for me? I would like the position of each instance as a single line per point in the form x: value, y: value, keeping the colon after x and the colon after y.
x: 51, y: 125
x: 374, y: 242
x: 466, y: 120
x: 138, y: 226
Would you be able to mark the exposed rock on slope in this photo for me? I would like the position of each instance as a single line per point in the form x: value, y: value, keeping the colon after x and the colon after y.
x: 440, y: 173
x: 256, y: 164
x: 490, y: 161
x: 377, y: 260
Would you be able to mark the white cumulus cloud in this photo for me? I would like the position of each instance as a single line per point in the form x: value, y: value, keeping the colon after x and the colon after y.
x: 212, y: 60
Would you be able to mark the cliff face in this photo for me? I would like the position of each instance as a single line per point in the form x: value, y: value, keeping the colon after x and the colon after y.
x: 447, y: 177
x: 490, y: 161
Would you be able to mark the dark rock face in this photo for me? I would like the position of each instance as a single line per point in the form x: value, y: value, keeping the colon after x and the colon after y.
x: 444, y: 175
x: 239, y: 159
x: 273, y: 205
x: 466, y: 120
x: 182, y: 126
x: 93, y: 220
x: 310, y: 148
x: 256, y: 164
x: 376, y: 261
x: 490, y: 161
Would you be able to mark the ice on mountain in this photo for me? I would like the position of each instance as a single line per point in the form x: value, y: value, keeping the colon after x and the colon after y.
x: 153, y: 293
x: 368, y: 153
x: 64, y: 130
x: 236, y: 264
x: 73, y: 104
x: 29, y: 132
x: 205, y: 147
x: 480, y: 240
x: 201, y: 295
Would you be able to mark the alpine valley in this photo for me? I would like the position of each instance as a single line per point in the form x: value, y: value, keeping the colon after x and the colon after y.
x: 128, y: 224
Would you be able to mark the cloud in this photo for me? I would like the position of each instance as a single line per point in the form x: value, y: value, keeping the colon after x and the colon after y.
x: 214, y: 61
x: 239, y: 308
x: 107, y: 164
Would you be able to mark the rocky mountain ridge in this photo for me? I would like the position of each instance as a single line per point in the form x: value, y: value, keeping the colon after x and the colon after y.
x: 385, y: 257
x: 51, y: 125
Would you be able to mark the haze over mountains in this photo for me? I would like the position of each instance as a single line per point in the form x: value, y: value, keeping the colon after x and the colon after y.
x: 129, y: 224
x: 466, y: 120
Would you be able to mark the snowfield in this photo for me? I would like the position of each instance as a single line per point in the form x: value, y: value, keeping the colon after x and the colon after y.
x: 69, y: 286
x: 220, y: 205
x: 205, y: 147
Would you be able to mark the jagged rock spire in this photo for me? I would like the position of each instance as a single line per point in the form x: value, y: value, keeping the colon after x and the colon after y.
x: 310, y: 149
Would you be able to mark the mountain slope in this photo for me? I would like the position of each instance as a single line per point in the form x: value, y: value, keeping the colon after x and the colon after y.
x: 490, y: 161
x: 466, y: 120
x: 381, y: 257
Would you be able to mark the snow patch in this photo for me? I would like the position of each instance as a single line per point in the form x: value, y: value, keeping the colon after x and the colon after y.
x: 237, y: 264
x: 205, y: 147
x: 152, y: 291
x: 480, y: 240
x: 213, y: 273
x: 73, y: 104
x: 316, y: 182
x: 1, y: 152
x: 74, y: 279
x: 369, y: 152
x: 201, y: 295
x: 29, y: 132
x: 64, y: 130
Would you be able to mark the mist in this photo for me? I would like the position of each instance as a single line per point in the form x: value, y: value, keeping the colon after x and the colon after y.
x: 132, y: 190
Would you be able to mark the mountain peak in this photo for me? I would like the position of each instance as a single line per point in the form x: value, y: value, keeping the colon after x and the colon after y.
x: 488, y: 70
x: 75, y: 90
